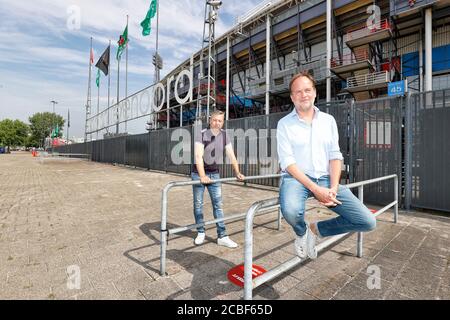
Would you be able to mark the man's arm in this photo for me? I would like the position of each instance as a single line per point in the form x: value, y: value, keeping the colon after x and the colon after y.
x: 230, y: 154
x: 198, y: 153
x: 335, y: 157
x: 335, y: 174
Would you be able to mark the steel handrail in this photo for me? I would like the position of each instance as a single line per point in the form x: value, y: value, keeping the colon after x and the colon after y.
x: 164, y: 204
x: 250, y: 284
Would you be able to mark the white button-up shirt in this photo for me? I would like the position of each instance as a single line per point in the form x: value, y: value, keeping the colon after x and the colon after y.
x: 309, y: 146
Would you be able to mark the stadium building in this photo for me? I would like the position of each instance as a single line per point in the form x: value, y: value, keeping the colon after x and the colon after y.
x: 354, y: 49
x: 382, y: 70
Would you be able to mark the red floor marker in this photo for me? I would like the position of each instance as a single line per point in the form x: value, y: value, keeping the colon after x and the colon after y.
x: 236, y: 274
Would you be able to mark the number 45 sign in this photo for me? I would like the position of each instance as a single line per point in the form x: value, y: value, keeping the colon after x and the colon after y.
x: 397, y: 88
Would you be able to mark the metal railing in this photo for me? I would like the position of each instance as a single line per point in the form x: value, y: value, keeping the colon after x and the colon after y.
x: 254, y: 11
x: 316, y: 67
x: 368, y: 79
x: 350, y: 58
x: 165, y: 232
x: 401, y: 6
x: 366, y: 30
x: 250, y: 284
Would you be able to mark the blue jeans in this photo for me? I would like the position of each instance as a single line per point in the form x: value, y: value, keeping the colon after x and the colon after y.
x: 353, y: 214
x: 215, y: 192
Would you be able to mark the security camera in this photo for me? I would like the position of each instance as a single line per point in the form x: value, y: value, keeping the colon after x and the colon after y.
x: 214, y: 3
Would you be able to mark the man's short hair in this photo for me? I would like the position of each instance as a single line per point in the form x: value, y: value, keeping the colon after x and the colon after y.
x: 216, y: 113
x: 305, y: 74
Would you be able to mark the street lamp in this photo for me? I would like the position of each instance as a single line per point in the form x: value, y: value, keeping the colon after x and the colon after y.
x: 54, y: 102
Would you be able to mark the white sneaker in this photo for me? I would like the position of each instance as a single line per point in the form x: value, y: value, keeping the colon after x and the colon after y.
x: 227, y: 242
x: 311, y: 244
x: 200, y: 238
x: 300, y: 245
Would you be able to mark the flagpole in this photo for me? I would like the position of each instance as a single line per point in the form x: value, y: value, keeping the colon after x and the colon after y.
x: 155, y: 117
x: 157, y: 31
x: 118, y: 93
x: 88, y: 102
x: 109, y: 81
x: 98, y: 100
x: 126, y: 78
x: 68, y: 125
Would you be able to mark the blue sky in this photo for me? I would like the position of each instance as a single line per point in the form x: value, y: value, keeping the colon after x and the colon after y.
x: 44, y: 50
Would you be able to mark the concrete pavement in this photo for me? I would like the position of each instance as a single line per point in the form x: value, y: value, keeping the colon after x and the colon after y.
x: 61, y: 219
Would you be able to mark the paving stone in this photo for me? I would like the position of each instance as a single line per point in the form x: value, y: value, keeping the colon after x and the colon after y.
x: 427, y: 281
x: 443, y: 293
x: 354, y: 292
x: 386, y: 274
x: 159, y: 289
x: 395, y: 263
x: 116, y: 244
x: 107, y: 292
x: 295, y: 294
x: 265, y: 292
x: 183, y: 279
x: 129, y: 286
x: 323, y: 285
x: 194, y: 294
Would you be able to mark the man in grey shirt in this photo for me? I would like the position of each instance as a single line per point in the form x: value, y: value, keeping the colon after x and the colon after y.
x: 209, y: 147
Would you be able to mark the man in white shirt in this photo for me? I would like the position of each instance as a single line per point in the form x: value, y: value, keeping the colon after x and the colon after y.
x: 308, y: 152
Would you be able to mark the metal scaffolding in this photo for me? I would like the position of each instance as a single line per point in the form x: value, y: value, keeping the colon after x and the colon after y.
x: 206, y: 90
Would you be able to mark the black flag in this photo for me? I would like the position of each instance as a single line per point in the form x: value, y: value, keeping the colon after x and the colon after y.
x: 103, y: 62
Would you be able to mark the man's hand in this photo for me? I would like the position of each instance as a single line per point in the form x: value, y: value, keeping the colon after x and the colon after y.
x: 334, y: 202
x: 334, y: 189
x: 205, y: 180
x: 240, y: 176
x: 326, y: 196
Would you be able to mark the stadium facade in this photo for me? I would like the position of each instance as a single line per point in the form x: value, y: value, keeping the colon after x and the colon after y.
x: 382, y: 71
x: 354, y: 49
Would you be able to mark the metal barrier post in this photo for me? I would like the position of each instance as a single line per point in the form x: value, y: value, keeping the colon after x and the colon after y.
x: 248, y: 246
x: 396, y: 199
x: 248, y: 252
x: 279, y: 218
x: 164, y: 231
x: 359, y: 249
x: 162, y: 266
x: 279, y: 209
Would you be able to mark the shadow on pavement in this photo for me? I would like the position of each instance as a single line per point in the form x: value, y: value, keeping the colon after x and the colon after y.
x: 208, y: 272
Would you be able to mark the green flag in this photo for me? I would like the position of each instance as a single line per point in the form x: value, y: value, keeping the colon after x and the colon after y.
x: 146, y: 23
x: 55, y: 132
x: 97, y: 80
x: 123, y: 40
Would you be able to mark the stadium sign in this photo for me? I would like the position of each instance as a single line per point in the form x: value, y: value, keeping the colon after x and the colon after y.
x: 146, y: 102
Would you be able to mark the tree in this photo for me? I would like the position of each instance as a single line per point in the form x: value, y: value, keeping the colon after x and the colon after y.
x: 32, y: 142
x: 13, y: 133
x: 42, y: 124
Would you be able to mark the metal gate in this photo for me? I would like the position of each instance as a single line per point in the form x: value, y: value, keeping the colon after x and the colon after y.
x: 376, y: 137
x: 428, y: 149
x: 408, y: 136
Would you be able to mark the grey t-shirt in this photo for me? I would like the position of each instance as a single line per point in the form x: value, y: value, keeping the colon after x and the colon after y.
x: 213, y: 149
